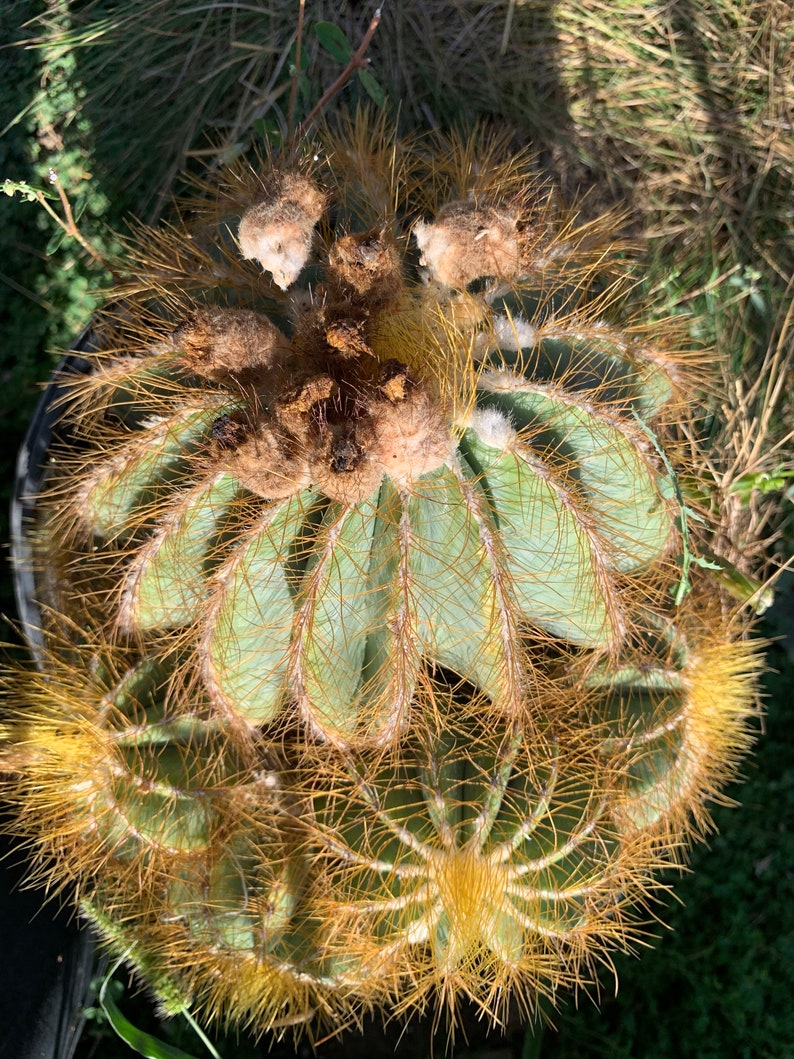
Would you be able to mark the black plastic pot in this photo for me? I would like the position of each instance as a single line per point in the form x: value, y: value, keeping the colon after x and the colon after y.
x: 48, y: 958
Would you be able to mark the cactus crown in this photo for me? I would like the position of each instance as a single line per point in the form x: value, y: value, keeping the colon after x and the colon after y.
x: 361, y: 681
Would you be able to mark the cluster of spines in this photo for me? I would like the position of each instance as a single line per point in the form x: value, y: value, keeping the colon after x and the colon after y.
x: 470, y: 864
x: 372, y: 840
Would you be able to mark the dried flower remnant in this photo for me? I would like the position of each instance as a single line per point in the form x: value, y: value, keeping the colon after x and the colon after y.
x: 229, y: 344
x: 277, y: 230
x: 466, y: 242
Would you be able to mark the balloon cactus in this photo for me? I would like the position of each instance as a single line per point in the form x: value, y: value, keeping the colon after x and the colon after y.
x: 370, y: 673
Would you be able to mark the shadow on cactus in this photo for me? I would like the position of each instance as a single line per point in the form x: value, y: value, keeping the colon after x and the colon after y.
x: 366, y: 679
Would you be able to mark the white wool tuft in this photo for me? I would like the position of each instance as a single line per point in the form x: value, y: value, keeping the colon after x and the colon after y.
x: 514, y: 332
x: 493, y: 427
x: 281, y: 248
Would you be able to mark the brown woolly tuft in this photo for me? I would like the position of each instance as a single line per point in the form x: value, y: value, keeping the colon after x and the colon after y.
x: 277, y: 230
x: 467, y: 241
x: 229, y: 344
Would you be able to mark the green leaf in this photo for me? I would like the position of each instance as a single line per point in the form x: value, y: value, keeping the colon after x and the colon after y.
x: 56, y: 239
x: 269, y: 131
x: 142, y: 1043
x: 748, y: 590
x: 304, y: 90
x: 333, y: 39
x: 304, y: 59
x: 705, y: 564
x: 30, y: 192
x: 762, y: 482
x: 372, y: 88
x: 690, y: 515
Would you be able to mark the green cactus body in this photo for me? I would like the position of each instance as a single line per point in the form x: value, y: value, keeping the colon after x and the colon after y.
x: 468, y: 851
x: 347, y: 695
x: 524, y: 514
x: 664, y: 710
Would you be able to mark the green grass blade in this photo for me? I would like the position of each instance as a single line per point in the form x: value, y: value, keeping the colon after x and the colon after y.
x: 141, y: 1042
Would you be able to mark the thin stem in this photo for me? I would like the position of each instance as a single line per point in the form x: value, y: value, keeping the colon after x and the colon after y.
x: 687, y: 558
x: 508, y: 24
x: 293, y: 92
x: 201, y: 1034
x: 357, y: 62
x: 67, y: 222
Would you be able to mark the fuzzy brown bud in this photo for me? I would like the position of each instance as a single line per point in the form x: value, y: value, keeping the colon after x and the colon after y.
x: 341, y: 467
x: 220, y: 344
x: 366, y: 267
x: 264, y: 460
x: 277, y: 231
x: 466, y: 242
x: 409, y: 433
